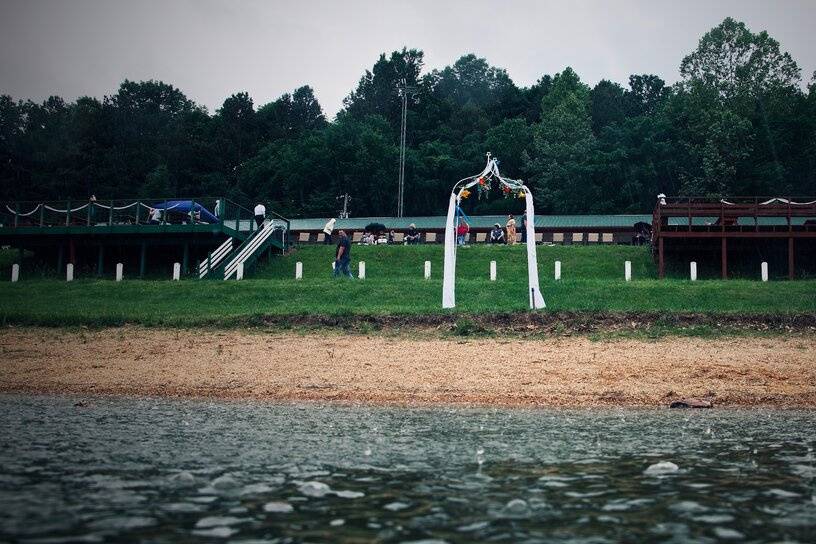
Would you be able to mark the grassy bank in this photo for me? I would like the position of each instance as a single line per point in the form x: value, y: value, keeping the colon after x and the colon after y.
x: 592, y: 282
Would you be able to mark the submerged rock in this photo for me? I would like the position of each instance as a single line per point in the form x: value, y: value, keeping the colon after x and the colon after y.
x: 691, y: 403
x: 278, y: 507
x: 314, y: 489
x: 663, y: 467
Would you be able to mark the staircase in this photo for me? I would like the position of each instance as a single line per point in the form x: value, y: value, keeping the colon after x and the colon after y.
x: 249, y: 251
x: 215, y: 258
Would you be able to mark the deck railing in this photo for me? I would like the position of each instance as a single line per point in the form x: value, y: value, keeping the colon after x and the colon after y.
x: 144, y: 211
x: 728, y: 211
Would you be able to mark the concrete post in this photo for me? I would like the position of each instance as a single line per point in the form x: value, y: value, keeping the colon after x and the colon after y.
x: 361, y: 275
x: 764, y: 271
x: 298, y: 270
x: 69, y: 272
x: 627, y: 270
x: 693, y: 270
x: 176, y: 271
x: 239, y: 273
x: 15, y: 272
x: 427, y: 270
x: 557, y: 270
x: 492, y: 270
x: 119, y: 271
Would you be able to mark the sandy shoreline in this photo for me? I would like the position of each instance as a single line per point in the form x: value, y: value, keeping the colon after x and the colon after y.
x: 564, y: 371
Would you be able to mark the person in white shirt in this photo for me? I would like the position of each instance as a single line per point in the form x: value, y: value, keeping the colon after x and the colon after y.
x: 260, y: 214
x: 155, y: 216
x: 328, y: 229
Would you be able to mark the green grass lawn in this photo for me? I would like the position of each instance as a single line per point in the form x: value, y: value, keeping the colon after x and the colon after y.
x: 592, y: 282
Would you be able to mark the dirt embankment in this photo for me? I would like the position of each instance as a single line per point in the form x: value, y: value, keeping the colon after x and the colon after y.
x: 564, y: 371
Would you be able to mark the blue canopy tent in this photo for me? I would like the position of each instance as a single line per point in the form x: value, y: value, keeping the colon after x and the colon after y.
x: 184, y: 207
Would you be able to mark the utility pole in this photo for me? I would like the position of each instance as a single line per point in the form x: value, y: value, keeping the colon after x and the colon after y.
x: 403, y: 88
x: 344, y: 214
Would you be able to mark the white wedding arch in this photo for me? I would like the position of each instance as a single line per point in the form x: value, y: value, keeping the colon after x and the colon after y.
x: 490, y: 172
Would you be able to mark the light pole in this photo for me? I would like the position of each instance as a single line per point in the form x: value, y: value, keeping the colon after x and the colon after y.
x: 344, y: 214
x: 403, y: 89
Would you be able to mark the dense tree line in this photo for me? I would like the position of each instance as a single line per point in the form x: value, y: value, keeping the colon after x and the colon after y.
x: 738, y: 123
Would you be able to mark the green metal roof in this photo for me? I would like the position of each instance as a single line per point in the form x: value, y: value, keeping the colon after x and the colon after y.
x: 477, y: 221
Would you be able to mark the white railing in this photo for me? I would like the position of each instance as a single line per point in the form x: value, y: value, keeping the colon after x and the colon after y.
x: 255, y: 242
x: 216, y: 257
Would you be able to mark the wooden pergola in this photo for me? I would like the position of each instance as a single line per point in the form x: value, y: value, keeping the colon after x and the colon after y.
x: 768, y: 218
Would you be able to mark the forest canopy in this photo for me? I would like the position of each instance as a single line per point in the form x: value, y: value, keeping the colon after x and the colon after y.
x: 738, y: 122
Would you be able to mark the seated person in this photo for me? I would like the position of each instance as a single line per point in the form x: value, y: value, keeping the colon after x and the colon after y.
x: 155, y: 216
x: 412, y: 235
x: 497, y: 235
x: 390, y: 236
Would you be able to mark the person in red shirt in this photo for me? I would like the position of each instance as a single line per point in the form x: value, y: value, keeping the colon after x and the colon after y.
x: 462, y: 231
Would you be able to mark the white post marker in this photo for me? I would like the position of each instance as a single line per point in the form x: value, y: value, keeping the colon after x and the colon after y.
x: 627, y: 270
x: 298, y: 270
x: 69, y: 272
x: 361, y: 275
x: 334, y: 265
x: 693, y: 267
x: 15, y: 272
x: 119, y: 271
x: 176, y: 271
x: 239, y: 273
x: 492, y: 270
x: 764, y: 271
x: 557, y: 270
x: 427, y: 270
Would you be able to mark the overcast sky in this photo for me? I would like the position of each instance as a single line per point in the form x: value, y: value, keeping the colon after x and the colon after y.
x: 211, y: 49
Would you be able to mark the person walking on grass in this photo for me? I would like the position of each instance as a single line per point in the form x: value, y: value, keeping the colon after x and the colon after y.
x: 342, y: 258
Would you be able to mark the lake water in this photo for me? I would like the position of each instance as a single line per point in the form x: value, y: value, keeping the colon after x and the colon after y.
x: 126, y: 470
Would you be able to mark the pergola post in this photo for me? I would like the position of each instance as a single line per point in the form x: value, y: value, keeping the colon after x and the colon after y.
x: 185, y: 261
x: 660, y: 263
x: 101, y: 261
x: 143, y: 260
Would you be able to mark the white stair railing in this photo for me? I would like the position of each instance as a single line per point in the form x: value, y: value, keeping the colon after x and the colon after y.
x: 216, y: 257
x: 254, y: 243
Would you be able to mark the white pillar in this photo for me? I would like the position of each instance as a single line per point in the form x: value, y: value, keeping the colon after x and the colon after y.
x: 492, y: 270
x: 239, y: 272
x: 298, y: 270
x: 557, y: 270
x: 119, y: 271
x: 627, y: 270
x: 69, y: 272
x: 361, y: 275
x: 693, y: 267
x: 764, y: 271
x: 176, y: 271
x: 15, y: 272
x: 427, y: 270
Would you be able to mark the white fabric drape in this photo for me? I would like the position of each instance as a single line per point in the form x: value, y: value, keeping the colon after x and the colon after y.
x: 449, y: 273
x: 535, y: 297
